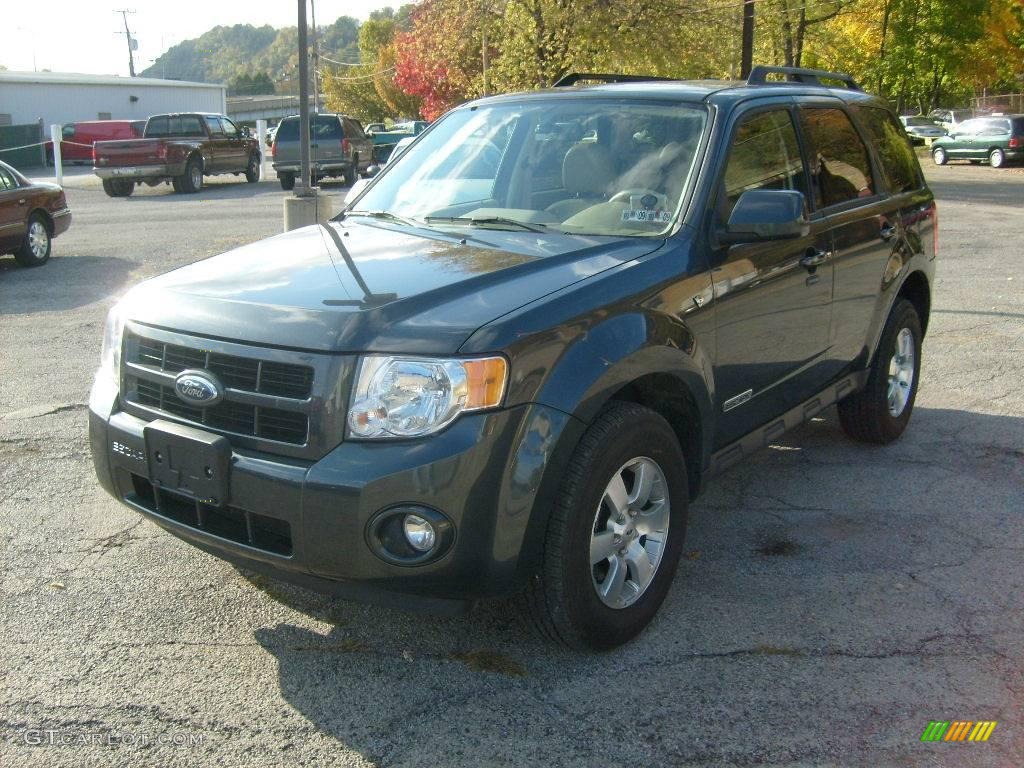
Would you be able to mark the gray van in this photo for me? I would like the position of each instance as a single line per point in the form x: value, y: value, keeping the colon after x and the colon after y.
x: 338, y: 147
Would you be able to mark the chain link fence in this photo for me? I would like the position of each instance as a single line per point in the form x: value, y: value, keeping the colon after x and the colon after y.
x: 1007, y: 103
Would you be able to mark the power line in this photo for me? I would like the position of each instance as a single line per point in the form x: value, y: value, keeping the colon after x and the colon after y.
x: 341, y: 63
x: 358, y: 78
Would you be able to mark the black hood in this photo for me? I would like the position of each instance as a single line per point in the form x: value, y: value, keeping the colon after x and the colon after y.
x: 385, y: 289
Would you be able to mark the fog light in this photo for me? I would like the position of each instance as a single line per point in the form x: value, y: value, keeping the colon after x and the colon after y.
x: 419, y: 533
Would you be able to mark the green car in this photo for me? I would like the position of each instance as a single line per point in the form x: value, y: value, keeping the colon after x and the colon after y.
x: 998, y: 140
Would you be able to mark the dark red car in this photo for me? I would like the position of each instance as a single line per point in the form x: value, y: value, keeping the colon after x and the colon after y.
x: 78, y: 138
x: 31, y: 215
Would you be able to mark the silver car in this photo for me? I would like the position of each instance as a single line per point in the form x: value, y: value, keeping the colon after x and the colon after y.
x: 922, y: 129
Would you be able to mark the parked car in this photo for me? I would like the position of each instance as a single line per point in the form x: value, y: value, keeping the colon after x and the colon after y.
x: 921, y: 129
x: 373, y: 128
x: 998, y: 140
x: 384, y: 142
x: 338, y: 147
x: 271, y: 133
x: 179, y: 149
x: 31, y: 215
x: 399, y: 148
x: 521, y: 352
x: 949, y: 119
x: 78, y: 138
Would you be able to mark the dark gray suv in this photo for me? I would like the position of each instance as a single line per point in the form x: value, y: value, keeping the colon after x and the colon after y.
x: 514, y: 360
x: 338, y: 147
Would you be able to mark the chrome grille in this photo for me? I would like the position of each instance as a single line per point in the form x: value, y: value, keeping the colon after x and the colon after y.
x: 270, y: 402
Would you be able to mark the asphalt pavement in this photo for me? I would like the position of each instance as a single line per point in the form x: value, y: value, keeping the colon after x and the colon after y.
x: 832, y: 600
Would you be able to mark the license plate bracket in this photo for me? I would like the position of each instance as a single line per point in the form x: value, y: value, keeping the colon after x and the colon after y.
x: 188, y: 461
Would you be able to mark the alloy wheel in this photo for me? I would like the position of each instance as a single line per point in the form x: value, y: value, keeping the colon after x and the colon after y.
x: 629, y: 533
x: 38, y: 239
x: 901, y: 373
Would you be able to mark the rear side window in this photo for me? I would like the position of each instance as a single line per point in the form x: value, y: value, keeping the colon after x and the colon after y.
x: 139, y: 127
x: 840, y: 168
x: 1018, y: 126
x: 175, y: 125
x: 764, y: 155
x: 353, y: 129
x: 899, y: 164
x: 7, y: 180
x: 996, y: 126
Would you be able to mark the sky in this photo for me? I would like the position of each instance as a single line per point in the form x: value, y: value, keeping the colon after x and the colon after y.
x: 81, y: 36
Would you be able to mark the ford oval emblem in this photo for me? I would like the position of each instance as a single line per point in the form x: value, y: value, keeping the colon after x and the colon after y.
x: 198, y: 388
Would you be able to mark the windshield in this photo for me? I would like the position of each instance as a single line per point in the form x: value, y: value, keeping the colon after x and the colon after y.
x: 582, y: 166
x: 921, y: 122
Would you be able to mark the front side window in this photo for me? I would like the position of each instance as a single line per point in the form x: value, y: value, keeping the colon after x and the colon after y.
x: 840, y: 169
x: 764, y: 154
x: 229, y: 128
x: 582, y: 166
x: 899, y: 164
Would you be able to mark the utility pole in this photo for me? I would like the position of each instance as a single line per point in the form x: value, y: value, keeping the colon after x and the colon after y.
x: 302, y: 187
x: 132, y: 43
x: 747, y: 52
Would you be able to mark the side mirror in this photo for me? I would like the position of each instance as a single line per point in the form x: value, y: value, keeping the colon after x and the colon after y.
x: 372, y: 171
x: 762, y: 215
x: 246, y: 134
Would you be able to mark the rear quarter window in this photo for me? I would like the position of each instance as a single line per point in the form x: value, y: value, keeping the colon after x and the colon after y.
x: 899, y: 163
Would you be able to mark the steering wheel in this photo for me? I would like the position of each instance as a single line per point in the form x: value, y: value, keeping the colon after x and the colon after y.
x: 623, y: 196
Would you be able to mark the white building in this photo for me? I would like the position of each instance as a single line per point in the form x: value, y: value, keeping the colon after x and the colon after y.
x: 62, y: 98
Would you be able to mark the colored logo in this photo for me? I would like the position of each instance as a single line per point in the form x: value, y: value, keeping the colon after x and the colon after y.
x: 198, y: 388
x: 958, y: 730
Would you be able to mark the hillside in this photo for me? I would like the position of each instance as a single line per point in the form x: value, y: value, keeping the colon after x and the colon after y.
x: 225, y: 54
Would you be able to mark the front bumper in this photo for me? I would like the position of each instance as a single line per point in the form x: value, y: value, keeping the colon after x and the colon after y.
x: 486, y: 473
x: 139, y: 171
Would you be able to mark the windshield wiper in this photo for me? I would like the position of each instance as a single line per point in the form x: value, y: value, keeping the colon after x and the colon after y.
x: 483, y: 221
x: 386, y: 216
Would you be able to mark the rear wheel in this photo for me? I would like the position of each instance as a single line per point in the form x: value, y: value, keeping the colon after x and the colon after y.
x: 35, y: 248
x: 939, y: 156
x: 615, y: 534
x: 880, y: 412
x: 252, y: 170
x: 997, y: 158
x: 351, y: 171
x: 192, y: 180
x: 118, y: 187
x: 287, y: 181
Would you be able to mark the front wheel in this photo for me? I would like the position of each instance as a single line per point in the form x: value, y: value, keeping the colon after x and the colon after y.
x: 881, y: 411
x: 252, y: 170
x: 615, y: 533
x: 939, y: 156
x: 997, y: 158
x: 35, y: 248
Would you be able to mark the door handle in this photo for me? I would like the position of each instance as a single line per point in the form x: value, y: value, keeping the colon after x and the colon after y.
x: 887, y: 232
x: 814, y: 258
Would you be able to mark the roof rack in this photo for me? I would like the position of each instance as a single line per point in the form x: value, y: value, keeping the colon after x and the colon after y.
x: 759, y: 76
x: 578, y: 77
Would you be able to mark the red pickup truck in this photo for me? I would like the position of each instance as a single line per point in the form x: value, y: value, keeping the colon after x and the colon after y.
x: 180, y: 149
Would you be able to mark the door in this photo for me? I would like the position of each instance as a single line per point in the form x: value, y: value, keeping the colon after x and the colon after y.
x: 236, y: 145
x: 962, y: 145
x: 772, y: 312
x: 220, y: 150
x: 360, y: 144
x: 13, y: 203
x: 864, y: 220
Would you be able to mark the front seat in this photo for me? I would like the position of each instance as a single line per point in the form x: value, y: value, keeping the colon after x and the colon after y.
x: 586, y: 173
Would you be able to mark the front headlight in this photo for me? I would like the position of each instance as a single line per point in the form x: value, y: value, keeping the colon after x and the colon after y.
x: 415, y: 396
x: 110, y: 354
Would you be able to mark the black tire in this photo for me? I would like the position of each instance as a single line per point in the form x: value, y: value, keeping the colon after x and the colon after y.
x: 192, y: 180
x: 997, y: 158
x: 939, y: 156
x: 35, y: 247
x: 252, y: 170
x: 287, y: 181
x: 866, y: 416
x: 176, y: 184
x: 118, y: 187
x: 351, y: 172
x: 562, y: 599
